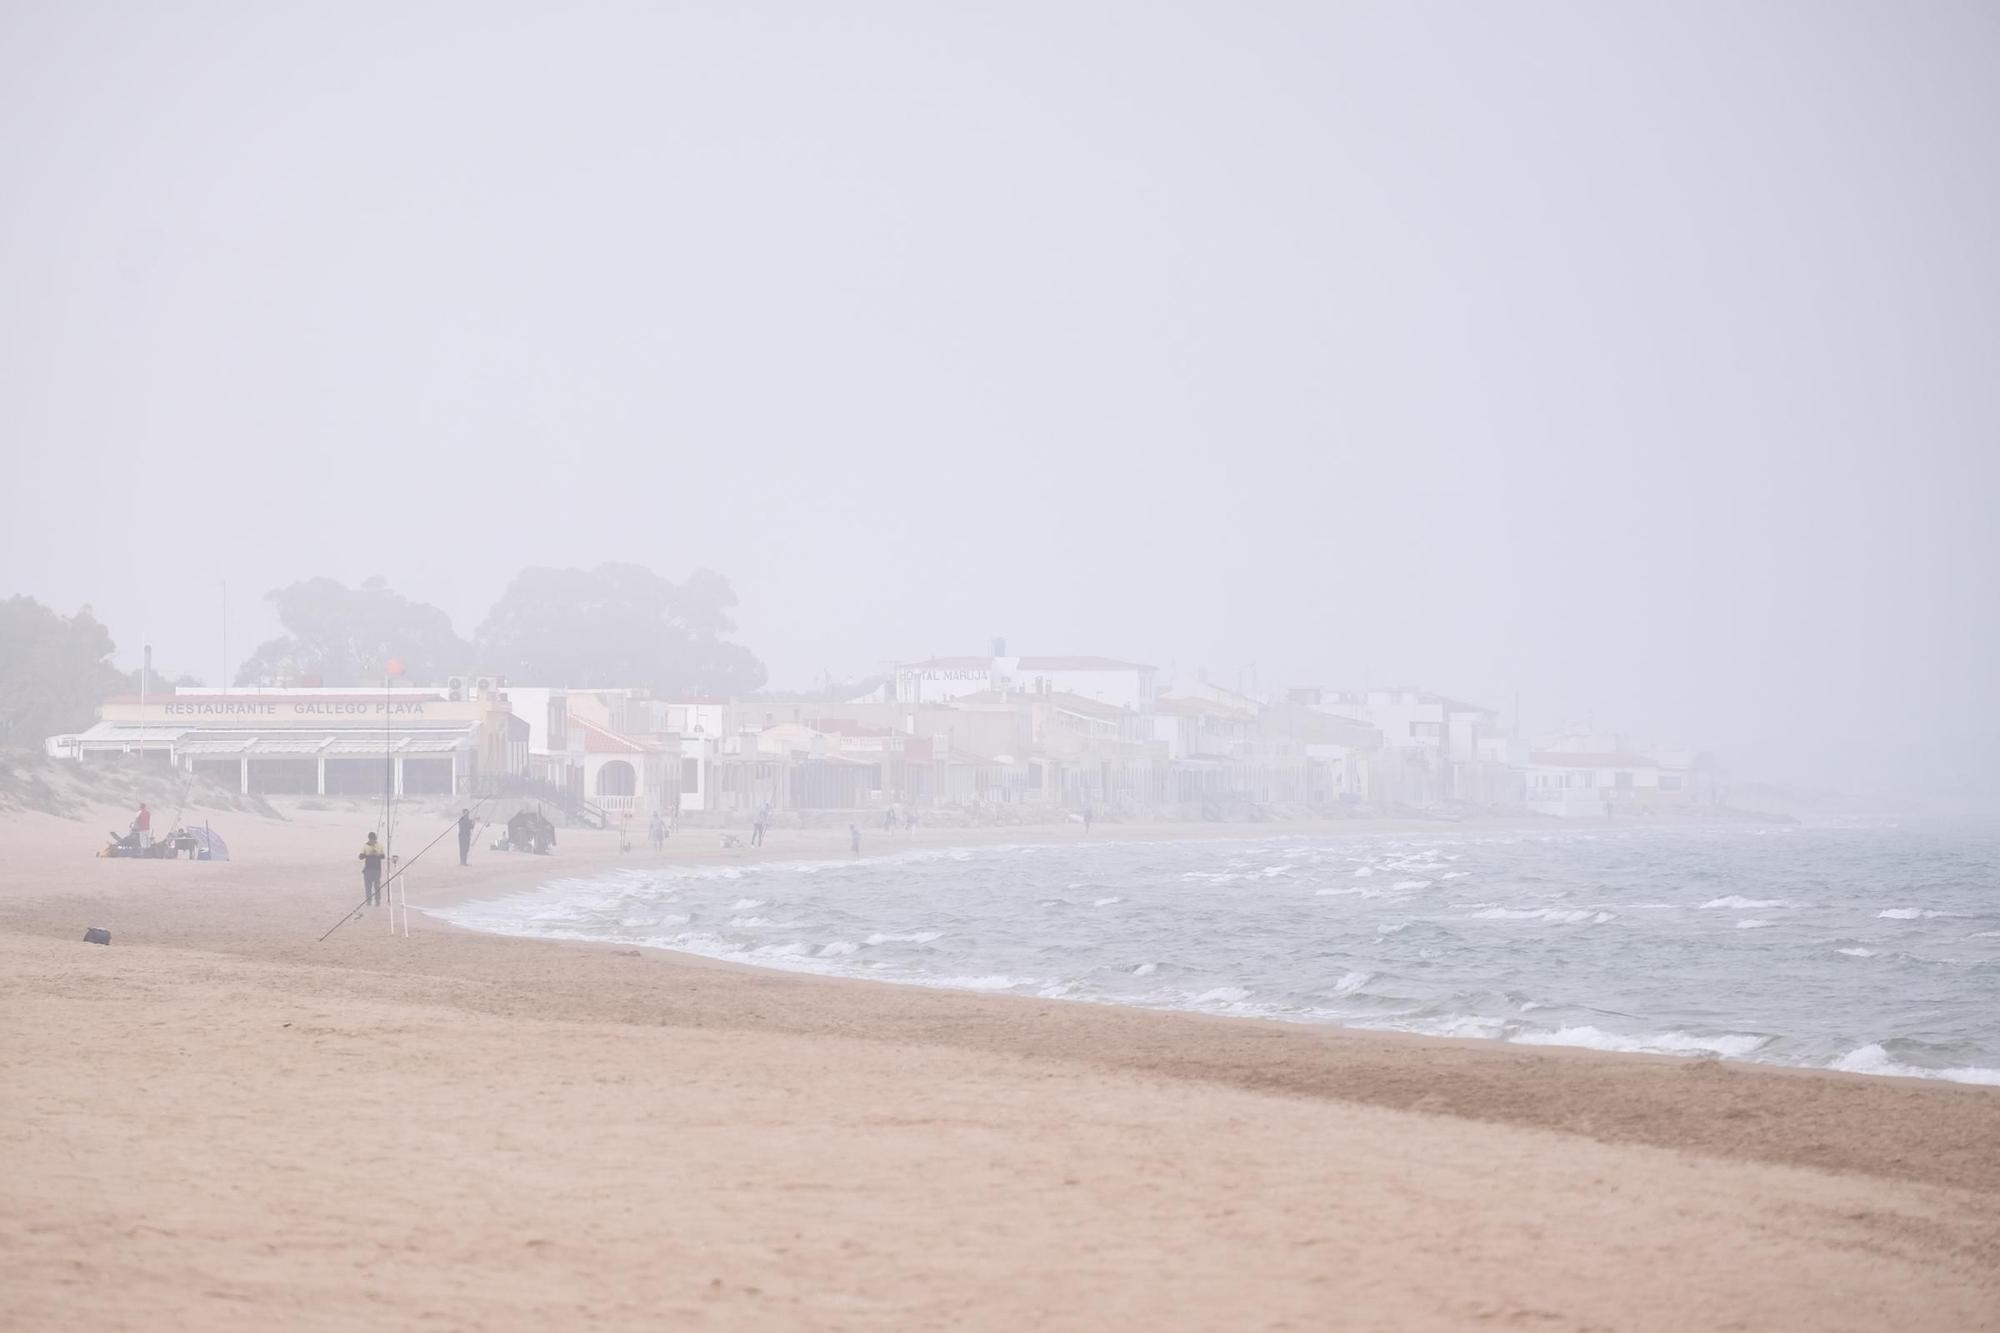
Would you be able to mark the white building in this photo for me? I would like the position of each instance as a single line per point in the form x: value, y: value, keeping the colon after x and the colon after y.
x: 1578, y: 785
x: 1105, y: 680
x: 1438, y: 748
x: 339, y: 741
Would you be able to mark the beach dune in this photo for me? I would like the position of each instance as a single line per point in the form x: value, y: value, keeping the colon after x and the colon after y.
x: 221, y: 1122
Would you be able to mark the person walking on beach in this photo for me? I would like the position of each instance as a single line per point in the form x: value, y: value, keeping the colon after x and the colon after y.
x: 371, y: 870
x: 757, y: 832
x: 656, y: 831
x: 464, y: 836
x: 854, y: 838
x: 1086, y: 821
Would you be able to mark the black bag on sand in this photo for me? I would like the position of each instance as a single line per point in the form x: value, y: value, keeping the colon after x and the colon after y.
x: 96, y: 935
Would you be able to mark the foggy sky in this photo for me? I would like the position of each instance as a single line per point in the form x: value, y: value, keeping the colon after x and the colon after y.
x: 1637, y: 359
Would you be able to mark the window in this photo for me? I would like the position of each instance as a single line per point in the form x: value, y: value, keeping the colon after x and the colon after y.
x: 1670, y: 782
x: 1425, y: 730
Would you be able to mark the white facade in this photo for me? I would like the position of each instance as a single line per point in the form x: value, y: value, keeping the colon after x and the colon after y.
x: 701, y: 718
x: 1579, y: 785
x: 695, y: 754
x: 1105, y: 680
x: 531, y: 705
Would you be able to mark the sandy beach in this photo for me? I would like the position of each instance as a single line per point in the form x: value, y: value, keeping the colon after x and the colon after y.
x: 221, y: 1122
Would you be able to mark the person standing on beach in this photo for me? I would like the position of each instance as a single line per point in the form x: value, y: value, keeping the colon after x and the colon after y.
x: 757, y: 832
x: 371, y: 870
x: 464, y: 836
x: 142, y: 827
x: 1086, y: 821
x: 854, y: 837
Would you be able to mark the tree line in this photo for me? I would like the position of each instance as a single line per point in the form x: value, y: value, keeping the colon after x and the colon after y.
x: 55, y: 670
x: 617, y: 624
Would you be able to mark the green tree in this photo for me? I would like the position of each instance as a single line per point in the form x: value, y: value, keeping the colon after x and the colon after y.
x: 54, y: 671
x: 618, y: 625
x: 336, y: 635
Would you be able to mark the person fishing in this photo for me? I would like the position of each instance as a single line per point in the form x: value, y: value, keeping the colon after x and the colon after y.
x: 142, y: 828
x: 464, y: 836
x: 372, y: 854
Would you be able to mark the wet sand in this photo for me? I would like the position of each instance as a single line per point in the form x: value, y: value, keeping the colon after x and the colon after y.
x: 219, y: 1122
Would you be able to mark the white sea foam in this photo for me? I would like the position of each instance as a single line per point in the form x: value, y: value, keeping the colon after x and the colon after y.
x: 1350, y: 983
x: 1857, y: 952
x: 1909, y: 913
x: 838, y: 949
x: 1222, y: 995
x: 1733, y: 1045
x: 914, y: 937
x: 1462, y: 1025
x: 1558, y: 915
x: 1145, y: 969
x: 1872, y: 1059
x: 1106, y: 902
x: 1413, y: 884
x: 746, y: 904
x: 1751, y: 924
x: 1736, y: 902
x: 1365, y: 871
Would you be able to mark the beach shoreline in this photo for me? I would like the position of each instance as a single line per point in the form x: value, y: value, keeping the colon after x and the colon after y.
x: 779, y: 1149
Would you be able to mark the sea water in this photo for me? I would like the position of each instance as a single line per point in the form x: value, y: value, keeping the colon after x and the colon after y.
x: 1870, y: 949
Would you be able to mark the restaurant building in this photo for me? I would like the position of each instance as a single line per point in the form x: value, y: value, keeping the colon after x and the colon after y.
x: 322, y: 741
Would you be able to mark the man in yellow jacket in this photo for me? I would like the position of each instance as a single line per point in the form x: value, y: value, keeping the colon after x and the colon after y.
x: 372, y: 853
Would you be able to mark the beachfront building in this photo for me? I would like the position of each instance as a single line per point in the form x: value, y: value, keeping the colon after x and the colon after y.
x: 1431, y: 743
x: 1339, y: 752
x: 1105, y: 680
x: 314, y: 740
x: 1577, y: 784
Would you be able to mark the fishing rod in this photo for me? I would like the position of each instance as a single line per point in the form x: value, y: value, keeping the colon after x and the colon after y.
x: 383, y: 888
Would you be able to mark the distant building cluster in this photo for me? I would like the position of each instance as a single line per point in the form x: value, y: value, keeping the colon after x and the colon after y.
x: 1062, y: 733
